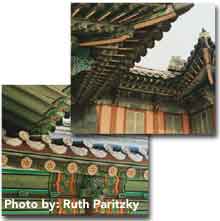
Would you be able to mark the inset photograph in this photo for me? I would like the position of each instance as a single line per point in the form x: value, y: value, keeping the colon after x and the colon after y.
x: 48, y: 171
x: 146, y: 68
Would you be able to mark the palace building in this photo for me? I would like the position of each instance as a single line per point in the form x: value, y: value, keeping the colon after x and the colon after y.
x: 110, y: 95
x: 41, y: 159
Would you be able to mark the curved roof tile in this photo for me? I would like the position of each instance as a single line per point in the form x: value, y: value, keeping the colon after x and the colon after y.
x: 81, y: 146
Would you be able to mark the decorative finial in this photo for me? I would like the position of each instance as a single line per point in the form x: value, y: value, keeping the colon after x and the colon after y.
x: 204, y: 34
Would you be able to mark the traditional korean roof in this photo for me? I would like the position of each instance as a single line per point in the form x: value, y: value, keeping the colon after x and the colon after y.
x: 101, y: 23
x: 118, y: 35
x: 34, y: 108
x: 97, y: 148
x: 148, y: 81
x: 154, y: 73
x: 196, y: 74
x: 200, y: 65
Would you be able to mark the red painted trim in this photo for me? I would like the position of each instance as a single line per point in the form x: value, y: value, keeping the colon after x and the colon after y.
x: 145, y: 122
x: 125, y: 118
x: 99, y: 118
x: 185, y: 124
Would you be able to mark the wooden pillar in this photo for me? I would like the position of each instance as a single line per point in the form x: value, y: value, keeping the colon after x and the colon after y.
x: 149, y: 122
x: 120, y: 120
x: 105, y: 119
x: 98, y: 117
x: 159, y: 122
x: 125, y: 119
x: 186, y: 124
x: 213, y: 116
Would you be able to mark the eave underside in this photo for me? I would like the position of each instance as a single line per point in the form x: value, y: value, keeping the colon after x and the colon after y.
x: 194, y: 80
x: 116, y: 55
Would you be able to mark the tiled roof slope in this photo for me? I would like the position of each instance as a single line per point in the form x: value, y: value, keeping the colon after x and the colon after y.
x: 34, y: 107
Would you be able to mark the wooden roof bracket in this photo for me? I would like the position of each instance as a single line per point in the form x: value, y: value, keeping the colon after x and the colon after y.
x: 194, y: 84
x: 154, y: 21
x: 105, y: 42
x: 171, y: 14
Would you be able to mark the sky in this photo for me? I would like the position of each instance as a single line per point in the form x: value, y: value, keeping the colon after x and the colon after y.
x: 182, y: 37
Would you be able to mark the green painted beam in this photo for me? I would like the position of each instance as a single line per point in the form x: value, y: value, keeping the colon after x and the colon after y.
x: 136, y: 185
x: 25, y: 212
x: 144, y: 195
x: 24, y: 172
x: 139, y: 212
x: 31, y: 191
x: 78, y: 159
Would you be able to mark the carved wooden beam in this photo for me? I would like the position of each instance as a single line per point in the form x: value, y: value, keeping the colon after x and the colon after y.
x: 105, y: 42
x: 75, y: 12
x: 154, y: 21
x: 207, y: 60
